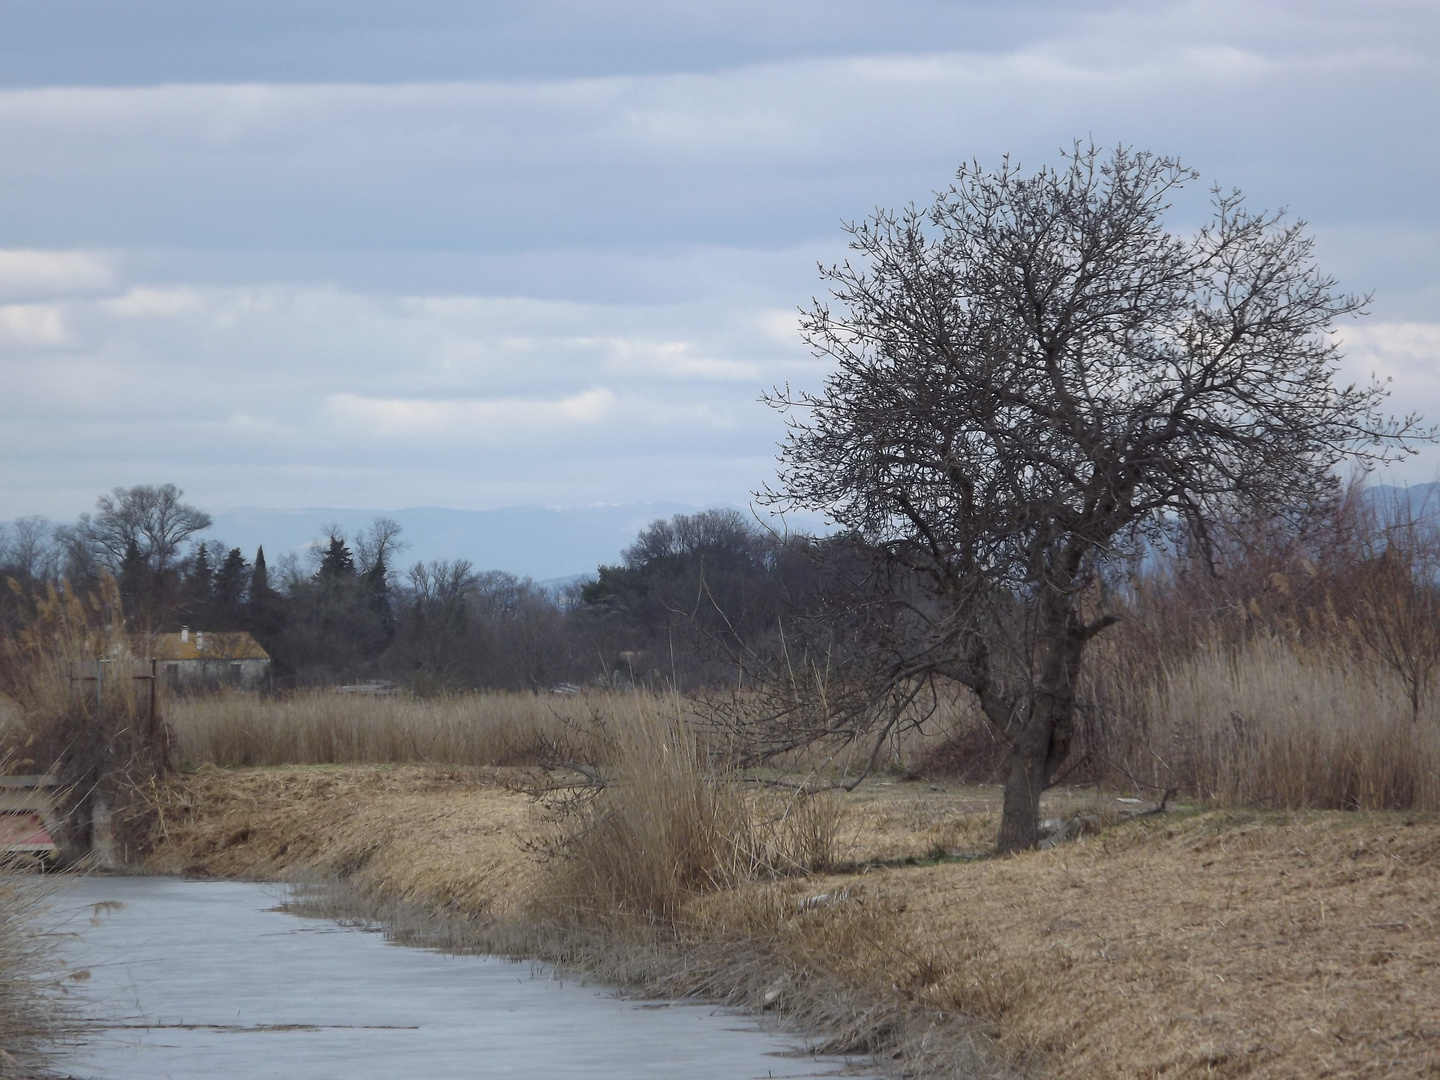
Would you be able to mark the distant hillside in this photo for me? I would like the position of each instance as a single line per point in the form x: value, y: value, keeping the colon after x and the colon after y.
x: 1423, y: 499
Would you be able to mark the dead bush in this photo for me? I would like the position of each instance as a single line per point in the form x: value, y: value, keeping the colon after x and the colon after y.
x: 87, y: 713
x: 652, y: 825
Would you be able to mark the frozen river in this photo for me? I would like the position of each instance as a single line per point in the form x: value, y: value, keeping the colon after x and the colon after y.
x: 205, y: 979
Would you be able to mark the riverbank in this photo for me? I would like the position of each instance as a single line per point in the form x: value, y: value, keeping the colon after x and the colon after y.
x: 1223, y: 943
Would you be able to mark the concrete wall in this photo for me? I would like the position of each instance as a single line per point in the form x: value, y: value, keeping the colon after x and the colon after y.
x: 245, y: 673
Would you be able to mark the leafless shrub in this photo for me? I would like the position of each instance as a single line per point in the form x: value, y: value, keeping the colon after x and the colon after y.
x: 658, y: 826
x: 1397, y: 608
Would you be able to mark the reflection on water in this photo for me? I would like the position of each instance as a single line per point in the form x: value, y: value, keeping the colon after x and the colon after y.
x: 203, y: 979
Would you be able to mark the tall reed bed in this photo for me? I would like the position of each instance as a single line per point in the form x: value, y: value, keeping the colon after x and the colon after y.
x: 1298, y: 667
x: 319, y: 727
x: 1278, y: 724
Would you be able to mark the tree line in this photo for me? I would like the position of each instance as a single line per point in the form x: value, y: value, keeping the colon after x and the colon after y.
x: 679, y: 607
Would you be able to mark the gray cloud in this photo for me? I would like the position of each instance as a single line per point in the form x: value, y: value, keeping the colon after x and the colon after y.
x: 566, y: 277
x: 765, y: 154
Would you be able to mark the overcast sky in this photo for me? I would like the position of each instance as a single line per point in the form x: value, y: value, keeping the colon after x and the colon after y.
x: 441, y: 253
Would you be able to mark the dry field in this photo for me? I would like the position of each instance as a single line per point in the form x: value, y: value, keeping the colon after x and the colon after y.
x: 1217, y: 943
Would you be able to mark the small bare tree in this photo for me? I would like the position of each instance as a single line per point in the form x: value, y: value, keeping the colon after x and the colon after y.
x: 1034, y: 377
x: 1398, y: 611
x: 151, y: 517
x: 378, y: 545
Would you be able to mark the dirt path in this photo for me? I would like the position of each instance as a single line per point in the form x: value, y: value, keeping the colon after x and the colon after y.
x: 1218, y: 944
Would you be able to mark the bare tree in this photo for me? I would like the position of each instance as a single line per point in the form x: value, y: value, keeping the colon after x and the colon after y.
x: 151, y: 517
x: 378, y: 545
x: 31, y: 551
x: 435, y: 627
x: 1398, y: 611
x: 1034, y: 377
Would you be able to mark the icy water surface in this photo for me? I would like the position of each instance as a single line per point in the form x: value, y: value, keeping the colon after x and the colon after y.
x: 202, y: 979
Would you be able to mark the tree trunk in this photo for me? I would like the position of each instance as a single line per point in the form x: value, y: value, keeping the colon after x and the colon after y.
x: 1020, y: 817
x: 1042, y: 743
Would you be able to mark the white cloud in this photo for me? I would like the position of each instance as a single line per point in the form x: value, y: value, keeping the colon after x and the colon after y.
x: 779, y: 149
x: 1406, y: 357
x: 779, y: 326
x: 668, y: 360
x: 472, y: 419
x: 1408, y: 352
x: 594, y: 417
x: 32, y: 324
x: 28, y: 273
x: 149, y: 303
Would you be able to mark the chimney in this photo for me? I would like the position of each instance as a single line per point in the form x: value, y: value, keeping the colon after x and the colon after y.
x: 184, y: 633
x: 199, y: 639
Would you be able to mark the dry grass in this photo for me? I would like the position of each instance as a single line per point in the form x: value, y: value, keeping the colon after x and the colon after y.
x: 450, y: 855
x: 1222, y: 943
x: 480, y: 728
x: 35, y: 1018
x: 1268, y: 724
x: 1272, y: 724
x: 79, y: 707
x: 660, y: 827
x: 450, y: 837
x: 1213, y: 946
x: 644, y: 827
x: 319, y: 727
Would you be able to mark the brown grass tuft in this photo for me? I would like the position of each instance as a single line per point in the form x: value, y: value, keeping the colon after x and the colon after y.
x: 659, y: 825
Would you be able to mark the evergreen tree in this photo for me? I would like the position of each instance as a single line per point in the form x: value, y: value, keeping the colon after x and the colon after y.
x: 337, y: 562
x: 230, y: 591
x: 199, y: 591
x: 264, y: 608
x: 377, y: 582
x: 260, y: 576
x: 136, y: 585
x: 333, y: 629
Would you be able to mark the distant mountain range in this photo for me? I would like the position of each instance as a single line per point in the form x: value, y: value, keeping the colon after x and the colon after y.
x: 543, y: 543
x: 1422, y: 499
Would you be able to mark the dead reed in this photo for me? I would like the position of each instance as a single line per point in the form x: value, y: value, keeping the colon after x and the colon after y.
x: 35, y: 1018
x: 659, y: 825
x: 318, y: 727
x: 1278, y: 724
x: 80, y: 706
x: 1269, y: 722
